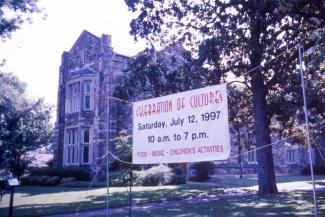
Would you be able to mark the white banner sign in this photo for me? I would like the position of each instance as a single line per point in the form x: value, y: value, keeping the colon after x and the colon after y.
x: 190, y: 126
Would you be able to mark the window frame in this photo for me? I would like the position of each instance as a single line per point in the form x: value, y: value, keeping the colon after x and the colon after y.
x: 252, y: 154
x: 71, y: 143
x: 87, y: 92
x: 86, y: 144
x: 292, y: 156
x: 73, y: 97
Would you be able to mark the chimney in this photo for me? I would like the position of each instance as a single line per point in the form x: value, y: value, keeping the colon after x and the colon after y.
x: 106, y: 40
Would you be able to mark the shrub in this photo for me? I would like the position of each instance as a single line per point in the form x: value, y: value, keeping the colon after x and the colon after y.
x: 79, y: 174
x: 53, y: 181
x: 50, y: 163
x: 318, y: 170
x: 178, y: 180
x: 43, y: 180
x: 25, y: 180
x: 203, y: 171
x: 178, y: 170
x: 120, y: 178
x: 67, y: 180
x: 33, y: 180
x: 83, y: 184
x: 158, y: 175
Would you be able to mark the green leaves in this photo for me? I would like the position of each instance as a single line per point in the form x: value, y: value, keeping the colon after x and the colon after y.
x: 19, y: 11
x: 24, y: 124
x: 153, y: 74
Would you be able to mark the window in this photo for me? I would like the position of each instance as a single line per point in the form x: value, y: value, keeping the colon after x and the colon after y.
x: 252, y: 155
x: 86, y: 146
x: 73, y: 97
x: 72, y: 144
x: 87, y: 95
x: 86, y: 136
x: 291, y: 156
x: 86, y: 154
x: 69, y: 159
x: 83, y: 56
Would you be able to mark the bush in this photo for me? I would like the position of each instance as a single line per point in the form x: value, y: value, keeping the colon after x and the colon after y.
x: 318, y: 170
x: 25, y: 180
x: 158, y: 175
x: 83, y: 184
x: 120, y: 178
x: 53, y: 181
x: 34, y: 180
x: 203, y: 171
x: 178, y: 170
x: 43, y: 180
x: 178, y: 180
x: 67, y: 180
x: 78, y: 173
x: 50, y: 163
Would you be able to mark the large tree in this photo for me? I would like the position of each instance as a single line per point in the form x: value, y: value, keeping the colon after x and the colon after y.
x: 24, y: 124
x: 243, y: 36
x: 14, y: 13
x: 154, y: 74
x: 241, y: 120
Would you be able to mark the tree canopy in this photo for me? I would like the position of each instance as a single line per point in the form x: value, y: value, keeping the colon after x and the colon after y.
x: 14, y: 13
x: 254, y: 40
x: 154, y: 74
x: 24, y: 124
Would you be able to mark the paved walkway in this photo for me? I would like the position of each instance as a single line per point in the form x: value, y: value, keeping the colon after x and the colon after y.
x: 282, y: 187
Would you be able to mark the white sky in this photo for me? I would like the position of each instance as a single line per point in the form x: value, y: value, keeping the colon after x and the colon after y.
x: 34, y: 52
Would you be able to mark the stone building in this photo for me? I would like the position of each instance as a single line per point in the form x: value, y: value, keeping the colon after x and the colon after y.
x: 89, y: 72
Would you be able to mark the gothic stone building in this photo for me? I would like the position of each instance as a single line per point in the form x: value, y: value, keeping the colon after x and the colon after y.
x: 88, y: 74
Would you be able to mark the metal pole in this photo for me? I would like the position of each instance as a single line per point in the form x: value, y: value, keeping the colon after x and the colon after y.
x: 11, y: 203
x: 108, y: 138
x: 307, y: 129
x: 130, y: 195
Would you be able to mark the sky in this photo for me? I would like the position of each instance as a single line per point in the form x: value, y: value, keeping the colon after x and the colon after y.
x: 34, y: 51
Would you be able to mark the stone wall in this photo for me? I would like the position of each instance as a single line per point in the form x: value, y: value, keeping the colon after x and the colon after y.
x: 90, y: 58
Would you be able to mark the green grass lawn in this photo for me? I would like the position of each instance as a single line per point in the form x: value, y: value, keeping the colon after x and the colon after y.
x: 36, y: 200
x: 284, y: 204
x: 249, y: 182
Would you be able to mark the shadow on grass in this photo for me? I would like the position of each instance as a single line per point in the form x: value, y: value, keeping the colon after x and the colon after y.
x: 284, y: 204
x: 239, y: 206
x: 34, y: 207
x: 250, y: 182
x: 36, y: 190
x: 47, y: 209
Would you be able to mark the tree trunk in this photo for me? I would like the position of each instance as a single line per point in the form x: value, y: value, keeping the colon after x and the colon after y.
x: 266, y: 175
x: 239, y: 153
x: 265, y: 171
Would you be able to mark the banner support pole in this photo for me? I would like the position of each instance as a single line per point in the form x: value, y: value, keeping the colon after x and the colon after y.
x: 307, y: 129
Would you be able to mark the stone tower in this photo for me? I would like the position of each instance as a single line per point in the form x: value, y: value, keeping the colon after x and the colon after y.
x: 86, y: 117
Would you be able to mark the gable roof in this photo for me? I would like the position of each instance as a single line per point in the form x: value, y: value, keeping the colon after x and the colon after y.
x: 82, y: 37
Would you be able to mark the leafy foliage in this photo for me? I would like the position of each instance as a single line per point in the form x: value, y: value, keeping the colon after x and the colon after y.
x: 24, y: 124
x: 153, y: 74
x: 79, y: 174
x: 233, y: 37
x: 203, y: 170
x: 241, y: 119
x: 14, y: 13
x: 157, y: 175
